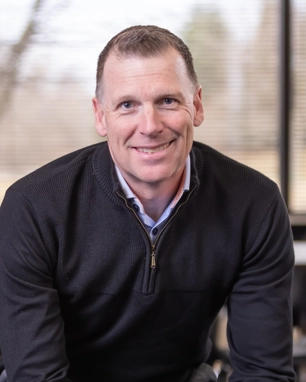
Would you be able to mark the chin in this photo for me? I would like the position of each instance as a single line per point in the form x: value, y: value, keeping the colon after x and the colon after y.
x: 152, y: 178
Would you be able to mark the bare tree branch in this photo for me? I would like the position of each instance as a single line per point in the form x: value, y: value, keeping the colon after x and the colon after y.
x: 12, y: 65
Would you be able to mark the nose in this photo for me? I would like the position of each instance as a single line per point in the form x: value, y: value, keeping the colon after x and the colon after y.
x: 150, y: 123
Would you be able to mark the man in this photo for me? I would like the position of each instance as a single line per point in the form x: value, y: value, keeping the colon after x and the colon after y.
x: 116, y: 259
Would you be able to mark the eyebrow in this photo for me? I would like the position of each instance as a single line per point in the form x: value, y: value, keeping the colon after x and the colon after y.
x: 177, y: 95
x: 124, y: 98
x: 130, y: 97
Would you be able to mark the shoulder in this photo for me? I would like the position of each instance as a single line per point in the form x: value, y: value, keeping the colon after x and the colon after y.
x: 61, y: 171
x: 221, y: 171
x: 244, y: 199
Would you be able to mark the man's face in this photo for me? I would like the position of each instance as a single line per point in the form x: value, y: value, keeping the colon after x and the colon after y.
x: 147, y: 111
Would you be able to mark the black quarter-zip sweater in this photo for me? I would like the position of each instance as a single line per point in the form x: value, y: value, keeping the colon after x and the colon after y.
x: 80, y: 300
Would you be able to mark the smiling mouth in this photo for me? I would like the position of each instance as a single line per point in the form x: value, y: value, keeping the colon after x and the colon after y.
x: 155, y: 150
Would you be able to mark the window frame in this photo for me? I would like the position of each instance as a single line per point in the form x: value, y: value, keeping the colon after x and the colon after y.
x: 298, y: 221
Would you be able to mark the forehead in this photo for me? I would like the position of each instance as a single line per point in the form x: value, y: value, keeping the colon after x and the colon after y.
x: 167, y: 69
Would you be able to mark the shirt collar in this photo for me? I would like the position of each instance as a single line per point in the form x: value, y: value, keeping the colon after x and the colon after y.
x: 184, y: 185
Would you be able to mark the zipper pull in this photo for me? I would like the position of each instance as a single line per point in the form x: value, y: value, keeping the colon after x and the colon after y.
x: 153, y: 260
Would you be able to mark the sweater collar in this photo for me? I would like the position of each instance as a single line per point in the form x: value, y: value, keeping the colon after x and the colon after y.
x: 105, y: 172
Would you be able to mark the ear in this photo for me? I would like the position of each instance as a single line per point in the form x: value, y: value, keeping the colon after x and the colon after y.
x: 99, y: 117
x: 198, y: 107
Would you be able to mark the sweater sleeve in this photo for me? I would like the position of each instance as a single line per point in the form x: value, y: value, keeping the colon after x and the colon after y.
x: 259, y: 306
x: 31, y: 328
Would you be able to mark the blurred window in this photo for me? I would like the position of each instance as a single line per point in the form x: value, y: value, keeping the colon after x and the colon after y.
x: 297, y: 191
x: 48, y: 55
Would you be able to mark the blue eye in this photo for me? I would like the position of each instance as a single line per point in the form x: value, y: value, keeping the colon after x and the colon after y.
x: 168, y: 101
x: 127, y: 105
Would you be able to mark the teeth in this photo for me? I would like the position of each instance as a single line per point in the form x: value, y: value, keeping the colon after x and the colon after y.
x: 151, y: 151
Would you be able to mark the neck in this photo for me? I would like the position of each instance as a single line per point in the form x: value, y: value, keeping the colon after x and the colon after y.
x: 156, y: 197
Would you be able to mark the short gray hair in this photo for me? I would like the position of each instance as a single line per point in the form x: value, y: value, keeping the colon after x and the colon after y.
x: 144, y: 41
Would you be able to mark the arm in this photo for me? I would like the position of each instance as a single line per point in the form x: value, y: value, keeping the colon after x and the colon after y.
x: 259, y: 306
x: 31, y: 327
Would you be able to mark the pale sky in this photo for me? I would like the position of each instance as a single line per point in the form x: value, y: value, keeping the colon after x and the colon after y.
x: 73, y: 32
x: 96, y: 16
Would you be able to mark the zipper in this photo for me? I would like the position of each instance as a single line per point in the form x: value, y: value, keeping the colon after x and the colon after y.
x: 153, y: 259
x: 153, y: 245
x: 172, y: 217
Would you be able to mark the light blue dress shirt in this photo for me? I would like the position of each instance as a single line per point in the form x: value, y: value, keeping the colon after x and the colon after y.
x: 154, y: 227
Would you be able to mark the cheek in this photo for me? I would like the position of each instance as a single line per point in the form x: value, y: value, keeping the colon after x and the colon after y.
x: 116, y: 134
x: 184, y: 127
x: 181, y: 119
x: 189, y: 137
